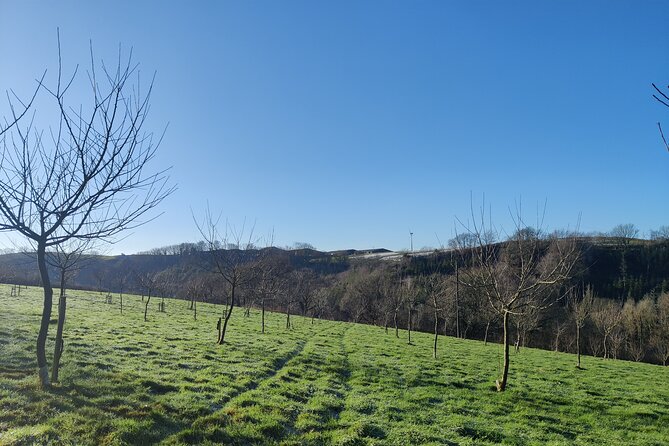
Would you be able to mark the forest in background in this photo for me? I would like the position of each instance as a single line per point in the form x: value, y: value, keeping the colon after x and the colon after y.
x: 626, y: 278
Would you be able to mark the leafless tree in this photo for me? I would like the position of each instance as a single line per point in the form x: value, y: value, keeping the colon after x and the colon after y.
x: 660, y: 339
x: 607, y: 316
x: 307, y: 292
x: 148, y: 282
x: 521, y: 275
x: 638, y: 320
x: 661, y: 233
x: 413, y: 299
x: 395, y: 298
x: 527, y: 322
x: 231, y: 264
x: 624, y: 233
x: 100, y: 276
x: 86, y: 177
x: 166, y: 285
x: 320, y: 303
x: 272, y: 281
x: 581, y: 307
x: 434, y: 290
x: 194, y: 290
x: 299, y: 283
x: 121, y: 283
x: 560, y: 330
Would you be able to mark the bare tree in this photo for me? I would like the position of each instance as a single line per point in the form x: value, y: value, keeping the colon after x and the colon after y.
x: 395, y: 297
x: 299, y: 283
x: 84, y: 178
x: 625, y: 232
x: 660, y: 338
x: 521, y: 275
x: 527, y: 322
x: 148, y: 283
x: 433, y: 287
x: 272, y: 281
x: 661, y: 233
x: 165, y: 286
x: 231, y: 264
x: 607, y: 317
x: 413, y: 299
x: 581, y: 307
x: 121, y: 283
x: 638, y: 320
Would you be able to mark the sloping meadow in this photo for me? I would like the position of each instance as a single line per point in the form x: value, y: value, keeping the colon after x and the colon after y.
x: 126, y: 381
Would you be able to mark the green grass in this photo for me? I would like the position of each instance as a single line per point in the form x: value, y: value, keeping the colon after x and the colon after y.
x: 124, y: 381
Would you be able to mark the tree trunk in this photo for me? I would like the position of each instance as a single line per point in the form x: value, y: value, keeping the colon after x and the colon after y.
x: 409, y: 325
x: 121, y: 299
x: 221, y: 338
x: 485, y: 337
x: 287, y: 317
x: 578, y: 346
x: 501, y: 385
x: 457, y: 301
x: 146, y: 305
x: 262, y: 316
x: 194, y: 310
x: 59, y: 345
x: 436, y: 336
x: 606, y: 355
x: 397, y: 330
x: 46, y: 315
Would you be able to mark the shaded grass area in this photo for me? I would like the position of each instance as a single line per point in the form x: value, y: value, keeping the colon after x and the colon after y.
x: 126, y: 381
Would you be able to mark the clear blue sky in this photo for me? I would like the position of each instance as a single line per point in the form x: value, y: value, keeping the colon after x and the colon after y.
x: 348, y: 124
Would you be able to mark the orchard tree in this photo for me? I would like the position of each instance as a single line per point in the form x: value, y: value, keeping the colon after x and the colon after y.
x: 148, y: 282
x: 272, y: 280
x: 434, y: 289
x: 86, y: 177
x: 581, y: 307
x: 233, y: 265
x: 523, y: 275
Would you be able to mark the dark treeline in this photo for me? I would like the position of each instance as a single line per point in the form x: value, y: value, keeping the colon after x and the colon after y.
x: 627, y: 281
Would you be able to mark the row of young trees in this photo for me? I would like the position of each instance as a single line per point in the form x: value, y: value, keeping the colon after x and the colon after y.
x: 523, y: 276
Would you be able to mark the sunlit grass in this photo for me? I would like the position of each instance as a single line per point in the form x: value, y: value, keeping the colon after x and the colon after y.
x: 125, y: 381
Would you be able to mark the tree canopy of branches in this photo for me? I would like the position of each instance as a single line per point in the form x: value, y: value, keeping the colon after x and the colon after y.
x: 234, y: 265
x: 520, y: 276
x: 86, y: 176
x: 581, y: 306
x: 625, y: 232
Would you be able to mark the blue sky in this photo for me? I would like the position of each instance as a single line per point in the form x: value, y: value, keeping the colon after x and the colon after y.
x: 349, y: 124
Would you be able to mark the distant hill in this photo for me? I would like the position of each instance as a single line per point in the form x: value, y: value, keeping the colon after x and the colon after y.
x: 616, y: 269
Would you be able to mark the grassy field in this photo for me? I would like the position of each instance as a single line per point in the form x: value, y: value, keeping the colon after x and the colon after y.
x: 126, y: 381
